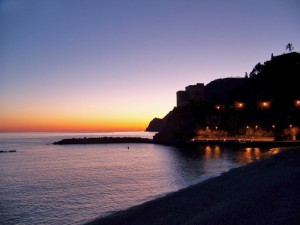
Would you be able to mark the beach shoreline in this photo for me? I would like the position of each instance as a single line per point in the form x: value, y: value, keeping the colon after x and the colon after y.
x: 262, y: 192
x: 262, y: 142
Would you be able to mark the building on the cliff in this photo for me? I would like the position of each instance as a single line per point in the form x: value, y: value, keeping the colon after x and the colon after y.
x: 192, y: 94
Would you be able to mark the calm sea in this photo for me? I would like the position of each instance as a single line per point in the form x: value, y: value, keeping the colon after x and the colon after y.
x: 42, y: 183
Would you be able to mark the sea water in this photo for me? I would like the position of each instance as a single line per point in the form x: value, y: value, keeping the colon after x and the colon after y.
x: 42, y: 183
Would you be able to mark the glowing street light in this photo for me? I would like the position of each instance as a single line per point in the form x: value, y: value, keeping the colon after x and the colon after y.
x: 255, y: 131
x: 265, y: 105
x: 239, y: 105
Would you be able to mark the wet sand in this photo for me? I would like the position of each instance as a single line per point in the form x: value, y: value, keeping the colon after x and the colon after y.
x: 264, y: 192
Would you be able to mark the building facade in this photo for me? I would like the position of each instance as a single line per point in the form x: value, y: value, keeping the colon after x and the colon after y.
x: 192, y: 94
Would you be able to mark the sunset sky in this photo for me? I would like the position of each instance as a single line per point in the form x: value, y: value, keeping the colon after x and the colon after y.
x: 113, y: 65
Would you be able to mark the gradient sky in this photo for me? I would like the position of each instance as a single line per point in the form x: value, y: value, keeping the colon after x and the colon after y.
x: 113, y: 65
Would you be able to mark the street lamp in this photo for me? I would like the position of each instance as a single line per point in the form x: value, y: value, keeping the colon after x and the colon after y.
x: 239, y: 105
x: 217, y: 132
x: 292, y: 137
x: 256, y: 127
x: 247, y: 131
x: 264, y: 104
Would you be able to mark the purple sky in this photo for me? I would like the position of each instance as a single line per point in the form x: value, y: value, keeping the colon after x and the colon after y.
x: 124, y: 60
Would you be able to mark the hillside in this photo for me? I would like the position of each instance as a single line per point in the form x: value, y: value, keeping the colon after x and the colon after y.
x: 219, y: 89
x: 262, y: 104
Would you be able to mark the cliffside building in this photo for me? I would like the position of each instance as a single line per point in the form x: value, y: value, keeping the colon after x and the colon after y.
x: 192, y: 94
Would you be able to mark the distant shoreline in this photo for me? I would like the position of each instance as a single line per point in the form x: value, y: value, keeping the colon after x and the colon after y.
x: 133, y: 140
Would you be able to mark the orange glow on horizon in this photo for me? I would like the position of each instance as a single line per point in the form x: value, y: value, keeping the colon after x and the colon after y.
x: 49, y: 128
x: 74, y: 125
x: 80, y: 116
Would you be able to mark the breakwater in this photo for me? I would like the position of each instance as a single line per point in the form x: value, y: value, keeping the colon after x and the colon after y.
x: 104, y: 140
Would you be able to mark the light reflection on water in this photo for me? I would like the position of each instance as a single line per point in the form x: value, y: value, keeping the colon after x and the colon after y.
x: 49, y: 184
x: 253, y: 154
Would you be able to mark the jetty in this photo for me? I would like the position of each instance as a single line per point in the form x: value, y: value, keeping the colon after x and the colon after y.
x: 104, y: 140
x: 5, y: 151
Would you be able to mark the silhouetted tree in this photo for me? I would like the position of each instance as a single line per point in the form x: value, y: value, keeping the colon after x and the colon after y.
x: 256, y: 70
x: 289, y: 47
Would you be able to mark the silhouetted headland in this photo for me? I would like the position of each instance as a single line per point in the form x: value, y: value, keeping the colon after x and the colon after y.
x: 263, y: 104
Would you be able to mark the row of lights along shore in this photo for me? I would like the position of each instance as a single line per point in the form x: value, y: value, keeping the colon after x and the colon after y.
x: 256, y: 127
x: 262, y: 105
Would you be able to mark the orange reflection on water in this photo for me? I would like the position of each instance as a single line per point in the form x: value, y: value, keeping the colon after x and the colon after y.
x: 208, y: 152
x: 257, y: 153
x: 249, y: 155
x: 217, y: 152
x: 212, y: 153
x: 274, y: 151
